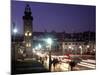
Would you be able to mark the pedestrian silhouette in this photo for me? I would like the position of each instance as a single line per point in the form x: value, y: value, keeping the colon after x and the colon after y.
x: 55, y: 62
x: 72, y: 65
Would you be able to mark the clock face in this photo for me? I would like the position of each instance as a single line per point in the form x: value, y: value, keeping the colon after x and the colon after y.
x: 28, y: 33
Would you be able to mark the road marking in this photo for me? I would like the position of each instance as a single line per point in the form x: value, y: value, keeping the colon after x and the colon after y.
x: 87, y: 64
x: 90, y: 61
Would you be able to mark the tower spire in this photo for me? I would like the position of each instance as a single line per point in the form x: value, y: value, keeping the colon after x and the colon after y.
x: 27, y: 8
x: 27, y: 22
x: 27, y: 11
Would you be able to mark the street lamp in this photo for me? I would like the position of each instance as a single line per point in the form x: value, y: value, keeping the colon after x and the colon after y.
x: 81, y: 49
x: 49, y: 41
x: 87, y: 48
x: 70, y: 47
x: 14, y: 32
x: 39, y: 46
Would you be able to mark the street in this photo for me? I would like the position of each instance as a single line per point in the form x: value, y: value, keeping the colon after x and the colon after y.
x: 84, y: 65
x: 38, y: 66
x: 28, y: 66
x: 87, y: 64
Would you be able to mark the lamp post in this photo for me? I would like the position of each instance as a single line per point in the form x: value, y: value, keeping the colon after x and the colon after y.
x: 81, y: 50
x: 14, y: 32
x: 87, y: 48
x: 49, y: 41
x: 69, y: 49
x: 39, y: 46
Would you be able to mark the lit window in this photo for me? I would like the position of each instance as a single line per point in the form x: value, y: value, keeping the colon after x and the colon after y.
x: 30, y: 34
x: 25, y: 34
x: 27, y: 45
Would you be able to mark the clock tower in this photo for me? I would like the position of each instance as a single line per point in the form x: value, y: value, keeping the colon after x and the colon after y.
x: 27, y: 21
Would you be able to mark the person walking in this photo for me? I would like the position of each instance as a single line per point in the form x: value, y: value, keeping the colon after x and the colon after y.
x: 72, y: 65
x: 55, y: 62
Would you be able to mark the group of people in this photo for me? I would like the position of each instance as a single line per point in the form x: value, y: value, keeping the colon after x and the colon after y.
x: 55, y: 61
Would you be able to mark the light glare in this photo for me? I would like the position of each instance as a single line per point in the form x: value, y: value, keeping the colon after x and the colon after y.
x: 15, y: 30
x: 49, y: 41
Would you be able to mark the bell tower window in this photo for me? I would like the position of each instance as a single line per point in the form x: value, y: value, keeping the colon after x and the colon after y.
x: 28, y: 33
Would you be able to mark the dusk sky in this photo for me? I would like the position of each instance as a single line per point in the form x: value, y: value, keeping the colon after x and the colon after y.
x: 57, y: 17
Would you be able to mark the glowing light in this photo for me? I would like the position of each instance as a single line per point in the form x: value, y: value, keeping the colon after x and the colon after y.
x: 21, y: 51
x: 27, y: 45
x: 72, y: 48
x: 39, y: 46
x: 88, y: 46
x: 26, y: 34
x: 36, y: 48
x: 94, y: 50
x: 30, y: 34
x: 15, y: 30
x: 80, y: 47
x: 69, y: 47
x: 49, y: 41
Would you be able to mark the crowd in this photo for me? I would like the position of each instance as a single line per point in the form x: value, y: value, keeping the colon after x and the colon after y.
x: 55, y: 61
